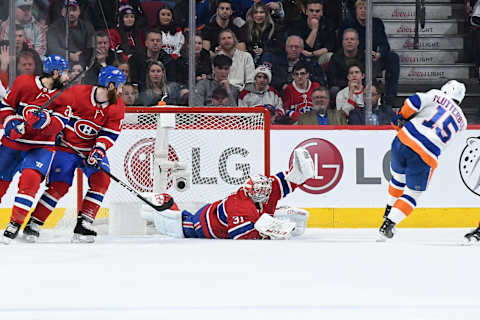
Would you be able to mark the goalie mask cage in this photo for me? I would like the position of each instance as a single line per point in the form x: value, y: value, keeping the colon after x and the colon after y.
x: 211, y: 152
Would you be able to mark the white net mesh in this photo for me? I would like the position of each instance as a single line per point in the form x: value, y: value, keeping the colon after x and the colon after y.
x: 220, y: 151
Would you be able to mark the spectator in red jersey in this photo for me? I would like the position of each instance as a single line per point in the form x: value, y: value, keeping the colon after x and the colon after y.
x: 126, y: 38
x: 172, y: 35
x: 297, y: 96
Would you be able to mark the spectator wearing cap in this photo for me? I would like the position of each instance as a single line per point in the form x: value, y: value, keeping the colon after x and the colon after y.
x: 202, y: 95
x: 242, y: 69
x: 34, y: 30
x: 105, y: 13
x: 260, y: 93
x: 126, y: 38
x: 321, y: 113
x: 80, y: 35
x: 172, y: 35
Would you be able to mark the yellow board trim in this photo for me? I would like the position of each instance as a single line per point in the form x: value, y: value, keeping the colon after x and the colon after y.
x: 337, y: 217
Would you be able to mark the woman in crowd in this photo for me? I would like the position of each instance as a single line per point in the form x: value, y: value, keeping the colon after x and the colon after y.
x: 203, y: 63
x: 172, y: 36
x: 263, y: 33
x: 157, y: 88
x: 127, y: 38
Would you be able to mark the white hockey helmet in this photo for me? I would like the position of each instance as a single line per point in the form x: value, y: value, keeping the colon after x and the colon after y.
x: 258, y: 187
x: 455, y: 90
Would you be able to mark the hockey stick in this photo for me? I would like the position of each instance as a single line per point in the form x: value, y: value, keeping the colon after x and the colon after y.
x: 159, y: 208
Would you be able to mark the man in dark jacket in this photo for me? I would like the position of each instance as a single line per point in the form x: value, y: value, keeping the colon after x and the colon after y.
x: 382, y: 114
x: 386, y: 58
x: 282, y: 64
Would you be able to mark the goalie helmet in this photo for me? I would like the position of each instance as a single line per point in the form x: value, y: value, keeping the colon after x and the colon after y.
x: 55, y: 62
x: 455, y: 90
x: 111, y: 74
x: 258, y: 187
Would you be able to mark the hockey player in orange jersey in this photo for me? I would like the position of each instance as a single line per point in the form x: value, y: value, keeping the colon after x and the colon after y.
x: 431, y: 121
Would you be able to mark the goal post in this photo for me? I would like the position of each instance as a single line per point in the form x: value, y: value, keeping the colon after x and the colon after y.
x: 196, y: 154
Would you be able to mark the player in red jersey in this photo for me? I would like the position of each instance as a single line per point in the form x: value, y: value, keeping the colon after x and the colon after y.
x: 93, y: 128
x: 27, y: 145
x: 250, y: 213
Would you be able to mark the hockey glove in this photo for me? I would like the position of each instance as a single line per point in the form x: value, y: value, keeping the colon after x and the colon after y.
x: 96, y: 156
x: 14, y: 127
x: 38, y: 119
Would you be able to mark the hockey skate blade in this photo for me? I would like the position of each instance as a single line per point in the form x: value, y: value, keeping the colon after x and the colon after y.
x: 30, y: 238
x: 82, y: 239
x: 381, y: 237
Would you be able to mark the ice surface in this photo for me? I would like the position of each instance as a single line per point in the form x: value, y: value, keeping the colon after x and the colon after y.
x: 325, y: 274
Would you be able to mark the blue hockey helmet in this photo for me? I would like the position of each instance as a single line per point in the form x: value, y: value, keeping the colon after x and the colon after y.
x: 55, y: 62
x: 111, y: 74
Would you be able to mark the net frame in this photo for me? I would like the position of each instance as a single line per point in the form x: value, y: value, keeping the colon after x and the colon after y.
x: 206, y: 110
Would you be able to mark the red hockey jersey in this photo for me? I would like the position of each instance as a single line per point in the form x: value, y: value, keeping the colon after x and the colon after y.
x: 27, y: 95
x: 91, y: 122
x: 235, y: 216
x: 297, y: 101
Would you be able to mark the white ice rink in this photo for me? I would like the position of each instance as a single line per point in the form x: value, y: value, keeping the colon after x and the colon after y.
x: 326, y: 274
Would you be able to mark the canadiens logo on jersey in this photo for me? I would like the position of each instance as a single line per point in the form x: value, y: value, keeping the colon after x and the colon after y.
x: 85, y: 129
x: 27, y: 109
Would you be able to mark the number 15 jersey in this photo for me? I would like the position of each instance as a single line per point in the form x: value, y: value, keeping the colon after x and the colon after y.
x: 436, y: 121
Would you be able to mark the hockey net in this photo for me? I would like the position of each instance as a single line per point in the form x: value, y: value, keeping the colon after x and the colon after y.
x: 205, y: 154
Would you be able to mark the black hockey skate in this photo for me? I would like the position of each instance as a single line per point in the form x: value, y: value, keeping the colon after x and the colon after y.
x: 473, y: 235
x: 11, y: 232
x: 83, y: 231
x: 387, y: 211
x: 31, y: 232
x: 386, y: 230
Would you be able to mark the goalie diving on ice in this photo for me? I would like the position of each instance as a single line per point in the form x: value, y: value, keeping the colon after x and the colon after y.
x: 249, y: 213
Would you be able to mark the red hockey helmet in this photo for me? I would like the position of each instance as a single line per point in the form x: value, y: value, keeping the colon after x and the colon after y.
x: 258, y: 187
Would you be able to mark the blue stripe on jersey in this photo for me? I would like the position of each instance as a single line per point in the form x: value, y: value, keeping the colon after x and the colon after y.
x: 222, y: 214
x: 285, y: 187
x: 410, y: 199
x: 63, y: 119
x: 397, y: 183
x: 240, y: 230
x: 415, y: 100
x: 109, y: 135
x: 94, y: 195
x: 26, y: 202
x: 423, y: 140
x: 49, y: 200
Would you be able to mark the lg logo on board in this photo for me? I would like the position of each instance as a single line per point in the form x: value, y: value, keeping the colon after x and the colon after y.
x: 328, y: 163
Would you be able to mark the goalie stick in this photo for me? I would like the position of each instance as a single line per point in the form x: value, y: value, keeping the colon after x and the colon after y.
x: 162, y: 207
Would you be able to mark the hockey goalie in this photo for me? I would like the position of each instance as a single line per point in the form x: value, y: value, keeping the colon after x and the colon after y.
x: 249, y: 213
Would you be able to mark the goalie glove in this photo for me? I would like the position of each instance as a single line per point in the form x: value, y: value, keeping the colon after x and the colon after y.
x: 302, y: 167
x: 14, y: 127
x: 96, y: 156
x: 38, y: 119
x: 274, y: 229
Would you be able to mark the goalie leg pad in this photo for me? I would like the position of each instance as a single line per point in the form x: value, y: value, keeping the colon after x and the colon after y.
x: 169, y: 223
x: 302, y: 167
x: 297, y: 215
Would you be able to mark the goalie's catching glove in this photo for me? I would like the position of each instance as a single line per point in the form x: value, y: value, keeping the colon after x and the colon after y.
x: 14, y: 127
x: 302, y: 167
x: 38, y: 119
x: 96, y: 156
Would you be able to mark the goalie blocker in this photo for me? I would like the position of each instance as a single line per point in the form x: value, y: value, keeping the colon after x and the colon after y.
x: 250, y: 213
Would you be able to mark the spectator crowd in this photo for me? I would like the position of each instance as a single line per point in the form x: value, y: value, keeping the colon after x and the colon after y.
x: 303, y: 60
